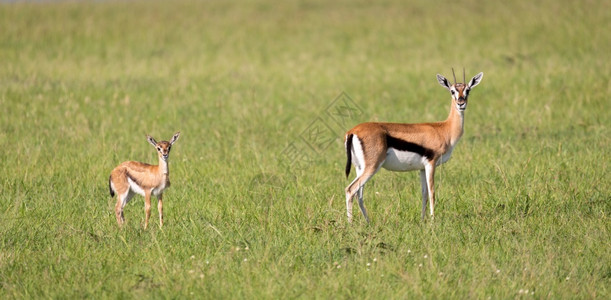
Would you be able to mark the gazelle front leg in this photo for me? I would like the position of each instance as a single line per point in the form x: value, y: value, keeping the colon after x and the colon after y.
x: 147, y: 208
x: 160, y: 208
x: 425, y: 191
x: 429, y: 169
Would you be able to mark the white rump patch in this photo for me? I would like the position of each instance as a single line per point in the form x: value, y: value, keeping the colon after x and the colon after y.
x: 358, y: 158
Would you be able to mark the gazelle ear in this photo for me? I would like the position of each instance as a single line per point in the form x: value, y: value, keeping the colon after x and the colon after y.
x: 476, y: 80
x: 175, y: 137
x: 151, y: 140
x: 443, y: 81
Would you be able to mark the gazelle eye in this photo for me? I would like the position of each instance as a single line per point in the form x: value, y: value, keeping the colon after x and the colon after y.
x: 452, y: 91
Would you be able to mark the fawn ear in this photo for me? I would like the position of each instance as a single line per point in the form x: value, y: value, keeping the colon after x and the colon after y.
x: 175, y: 137
x: 443, y: 81
x: 151, y: 140
x: 476, y: 80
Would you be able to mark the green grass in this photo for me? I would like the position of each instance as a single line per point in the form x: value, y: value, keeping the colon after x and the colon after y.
x: 523, y: 204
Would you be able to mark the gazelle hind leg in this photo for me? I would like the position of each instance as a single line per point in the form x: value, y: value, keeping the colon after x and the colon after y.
x: 362, y: 204
x: 360, y: 192
x: 349, y: 192
x: 119, y: 211
x: 122, y: 199
x: 349, y: 196
x: 357, y: 187
x: 364, y: 172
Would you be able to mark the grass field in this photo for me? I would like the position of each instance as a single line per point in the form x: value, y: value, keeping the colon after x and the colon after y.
x: 522, y: 208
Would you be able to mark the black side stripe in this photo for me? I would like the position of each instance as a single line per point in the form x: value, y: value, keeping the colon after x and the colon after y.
x: 402, y: 145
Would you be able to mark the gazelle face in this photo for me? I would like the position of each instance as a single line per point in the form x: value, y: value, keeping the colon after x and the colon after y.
x: 460, y: 91
x: 459, y: 96
x: 163, y: 148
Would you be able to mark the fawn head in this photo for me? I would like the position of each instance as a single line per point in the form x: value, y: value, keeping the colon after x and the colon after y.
x: 163, y: 147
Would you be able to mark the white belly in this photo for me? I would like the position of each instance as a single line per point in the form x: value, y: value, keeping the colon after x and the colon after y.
x: 140, y: 191
x: 403, y: 161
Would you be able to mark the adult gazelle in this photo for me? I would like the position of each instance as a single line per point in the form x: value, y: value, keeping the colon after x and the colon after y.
x: 401, y: 147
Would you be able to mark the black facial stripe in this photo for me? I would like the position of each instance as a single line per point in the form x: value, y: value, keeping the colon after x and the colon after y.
x: 402, y: 145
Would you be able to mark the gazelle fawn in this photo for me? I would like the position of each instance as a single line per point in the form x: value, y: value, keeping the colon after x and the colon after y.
x: 132, y: 177
x: 401, y: 147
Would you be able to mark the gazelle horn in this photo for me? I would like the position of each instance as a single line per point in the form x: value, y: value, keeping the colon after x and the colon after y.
x: 454, y: 75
